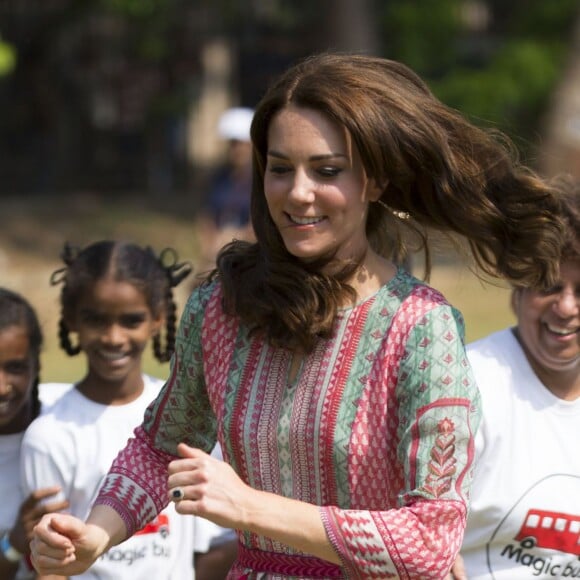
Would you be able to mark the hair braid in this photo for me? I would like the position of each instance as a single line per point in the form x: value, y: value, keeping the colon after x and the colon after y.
x: 64, y: 338
x: 175, y: 272
x: 163, y: 355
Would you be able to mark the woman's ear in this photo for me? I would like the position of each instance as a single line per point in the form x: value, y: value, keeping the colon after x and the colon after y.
x: 515, y: 300
x: 375, y: 190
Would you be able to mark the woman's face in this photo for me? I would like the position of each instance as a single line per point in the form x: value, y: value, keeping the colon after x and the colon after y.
x: 18, y: 369
x: 549, y: 323
x: 316, y: 187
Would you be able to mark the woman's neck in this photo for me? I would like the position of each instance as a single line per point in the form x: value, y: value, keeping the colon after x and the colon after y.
x: 563, y: 383
x: 372, y: 275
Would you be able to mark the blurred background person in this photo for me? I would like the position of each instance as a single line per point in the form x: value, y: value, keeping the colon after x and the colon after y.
x: 225, y: 211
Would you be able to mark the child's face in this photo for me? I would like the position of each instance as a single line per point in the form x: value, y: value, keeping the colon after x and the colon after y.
x: 114, y: 324
x: 17, y: 374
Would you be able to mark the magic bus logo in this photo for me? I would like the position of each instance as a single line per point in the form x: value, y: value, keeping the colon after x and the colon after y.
x: 160, y: 525
x: 540, y: 535
x: 553, y: 530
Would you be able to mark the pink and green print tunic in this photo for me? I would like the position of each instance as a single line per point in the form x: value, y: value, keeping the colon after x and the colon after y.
x: 377, y: 429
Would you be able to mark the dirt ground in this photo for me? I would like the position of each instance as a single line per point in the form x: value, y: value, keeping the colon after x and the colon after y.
x: 33, y: 230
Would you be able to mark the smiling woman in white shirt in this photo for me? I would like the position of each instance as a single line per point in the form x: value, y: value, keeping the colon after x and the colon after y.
x: 524, y: 521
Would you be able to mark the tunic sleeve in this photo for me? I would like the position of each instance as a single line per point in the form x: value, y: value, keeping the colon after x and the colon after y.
x: 433, y: 414
x: 136, y: 485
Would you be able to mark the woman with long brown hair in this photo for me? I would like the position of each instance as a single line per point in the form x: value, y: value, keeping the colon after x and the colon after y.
x: 335, y: 381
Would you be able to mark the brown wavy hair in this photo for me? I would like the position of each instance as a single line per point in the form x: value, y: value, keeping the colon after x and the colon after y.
x: 441, y: 173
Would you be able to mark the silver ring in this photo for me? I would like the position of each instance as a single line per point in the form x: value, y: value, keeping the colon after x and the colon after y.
x: 177, y: 494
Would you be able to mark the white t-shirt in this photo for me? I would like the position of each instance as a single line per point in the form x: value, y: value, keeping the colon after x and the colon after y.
x: 11, y: 491
x: 524, y: 520
x: 73, y: 445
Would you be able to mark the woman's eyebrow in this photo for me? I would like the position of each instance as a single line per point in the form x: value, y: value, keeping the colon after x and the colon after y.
x: 273, y: 153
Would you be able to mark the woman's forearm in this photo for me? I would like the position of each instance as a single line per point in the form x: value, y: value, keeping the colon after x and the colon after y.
x: 289, y: 521
x: 112, y: 525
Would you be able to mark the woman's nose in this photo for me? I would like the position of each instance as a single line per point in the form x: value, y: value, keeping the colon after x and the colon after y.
x: 302, y: 189
x: 567, y: 303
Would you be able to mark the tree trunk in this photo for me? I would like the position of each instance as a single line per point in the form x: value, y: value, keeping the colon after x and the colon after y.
x: 561, y: 152
x: 350, y: 25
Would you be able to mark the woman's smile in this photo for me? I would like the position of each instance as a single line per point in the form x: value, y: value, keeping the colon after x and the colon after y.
x: 305, y: 221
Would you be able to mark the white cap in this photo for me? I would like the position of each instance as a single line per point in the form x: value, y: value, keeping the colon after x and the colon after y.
x: 235, y: 124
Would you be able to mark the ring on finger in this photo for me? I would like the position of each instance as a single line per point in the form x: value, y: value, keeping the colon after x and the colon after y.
x: 177, y: 494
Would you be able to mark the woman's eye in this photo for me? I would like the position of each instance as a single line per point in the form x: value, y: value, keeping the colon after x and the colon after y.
x: 551, y: 291
x: 329, y: 171
x: 278, y: 169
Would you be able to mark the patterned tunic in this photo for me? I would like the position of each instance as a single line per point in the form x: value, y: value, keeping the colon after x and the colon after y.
x: 377, y: 429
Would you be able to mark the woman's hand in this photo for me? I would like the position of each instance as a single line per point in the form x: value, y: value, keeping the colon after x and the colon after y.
x: 31, y: 510
x: 65, y: 545
x: 210, y: 487
x: 457, y: 570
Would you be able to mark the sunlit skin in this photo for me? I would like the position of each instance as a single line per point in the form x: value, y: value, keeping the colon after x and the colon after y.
x: 18, y: 371
x: 549, y: 331
x: 318, y: 193
x: 114, y: 325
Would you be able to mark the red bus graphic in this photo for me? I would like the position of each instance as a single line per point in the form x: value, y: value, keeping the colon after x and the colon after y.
x: 159, y: 525
x: 554, y: 530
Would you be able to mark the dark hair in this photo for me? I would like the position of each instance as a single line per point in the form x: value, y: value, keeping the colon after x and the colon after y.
x: 15, y: 310
x: 155, y: 276
x: 440, y: 173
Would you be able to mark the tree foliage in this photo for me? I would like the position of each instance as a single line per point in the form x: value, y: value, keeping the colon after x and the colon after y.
x: 500, y: 70
x: 91, y: 88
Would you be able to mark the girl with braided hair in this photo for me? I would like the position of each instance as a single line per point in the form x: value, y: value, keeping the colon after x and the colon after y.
x: 154, y: 276
x: 116, y: 297
x: 21, y: 400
